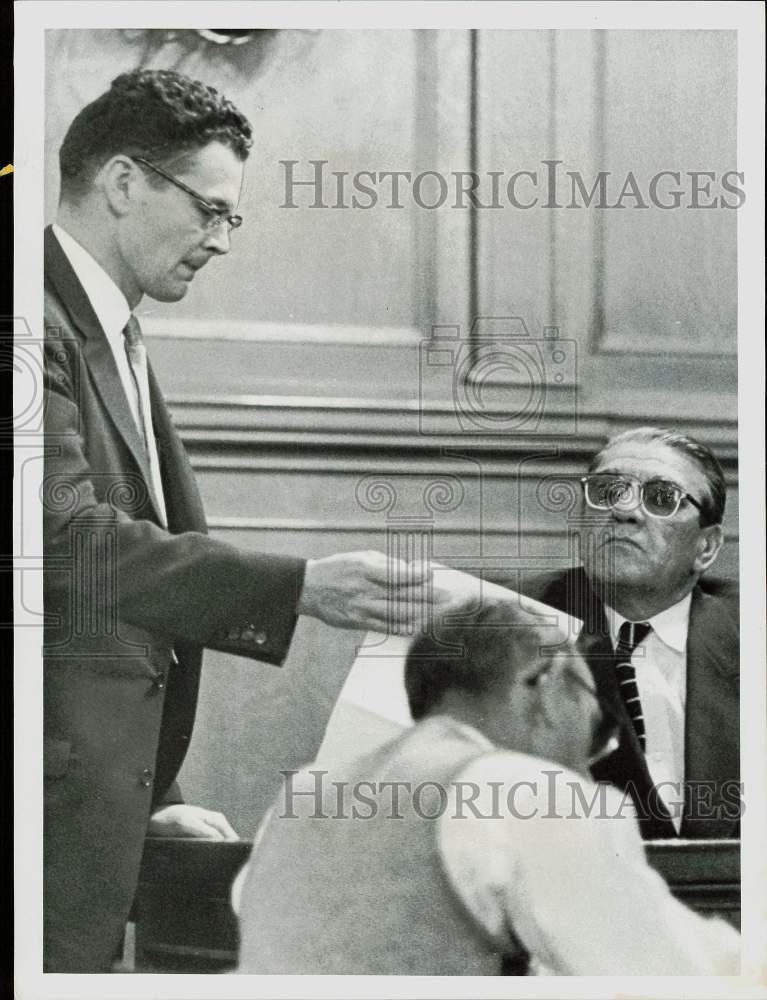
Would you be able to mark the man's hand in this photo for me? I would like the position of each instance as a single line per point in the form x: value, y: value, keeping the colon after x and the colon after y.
x: 182, y: 820
x: 367, y: 590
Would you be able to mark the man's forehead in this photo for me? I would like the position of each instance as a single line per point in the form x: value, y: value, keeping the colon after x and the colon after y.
x: 216, y: 172
x: 651, y: 459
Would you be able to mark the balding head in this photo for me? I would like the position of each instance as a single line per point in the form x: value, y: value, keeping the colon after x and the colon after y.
x: 512, y: 675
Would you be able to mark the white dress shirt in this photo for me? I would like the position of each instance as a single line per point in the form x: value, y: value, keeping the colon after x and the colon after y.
x: 568, y: 876
x: 660, y: 662
x: 109, y: 304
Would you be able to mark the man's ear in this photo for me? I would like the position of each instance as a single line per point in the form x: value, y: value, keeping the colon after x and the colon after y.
x: 707, y: 548
x: 120, y: 180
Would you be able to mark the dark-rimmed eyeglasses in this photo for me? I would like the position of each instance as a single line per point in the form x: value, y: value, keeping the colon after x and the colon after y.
x: 658, y: 497
x: 606, y: 736
x: 215, y: 217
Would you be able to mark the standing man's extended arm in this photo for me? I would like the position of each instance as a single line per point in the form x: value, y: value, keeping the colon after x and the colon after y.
x: 195, y: 587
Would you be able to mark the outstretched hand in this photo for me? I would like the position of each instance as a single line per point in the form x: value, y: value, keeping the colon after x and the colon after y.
x: 377, y: 593
x: 367, y: 590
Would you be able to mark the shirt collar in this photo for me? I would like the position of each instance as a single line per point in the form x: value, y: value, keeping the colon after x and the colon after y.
x: 469, y: 732
x: 108, y: 302
x: 670, y: 625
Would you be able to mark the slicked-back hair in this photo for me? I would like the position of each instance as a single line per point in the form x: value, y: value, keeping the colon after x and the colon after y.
x: 477, y: 658
x: 157, y: 114
x: 713, y: 502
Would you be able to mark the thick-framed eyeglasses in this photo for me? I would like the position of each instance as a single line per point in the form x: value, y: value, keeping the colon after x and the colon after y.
x: 606, y: 736
x: 657, y: 497
x: 215, y: 217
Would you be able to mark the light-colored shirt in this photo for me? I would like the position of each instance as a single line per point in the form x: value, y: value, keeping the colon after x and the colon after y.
x: 110, y: 306
x: 551, y: 854
x: 660, y: 662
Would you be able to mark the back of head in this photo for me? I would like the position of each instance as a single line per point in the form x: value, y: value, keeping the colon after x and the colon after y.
x: 157, y: 114
x: 475, y: 660
x: 714, y: 502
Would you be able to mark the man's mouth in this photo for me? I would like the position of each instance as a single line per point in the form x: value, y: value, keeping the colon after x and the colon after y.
x: 190, y: 269
x: 620, y: 540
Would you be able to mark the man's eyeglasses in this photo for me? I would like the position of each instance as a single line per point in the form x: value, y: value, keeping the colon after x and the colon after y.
x: 215, y: 217
x: 658, y: 497
x: 606, y: 737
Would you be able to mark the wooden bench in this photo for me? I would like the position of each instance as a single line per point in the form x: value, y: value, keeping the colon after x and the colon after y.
x: 184, y: 921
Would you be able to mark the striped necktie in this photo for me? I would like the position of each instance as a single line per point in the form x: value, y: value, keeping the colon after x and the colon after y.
x: 137, y: 359
x: 629, y: 637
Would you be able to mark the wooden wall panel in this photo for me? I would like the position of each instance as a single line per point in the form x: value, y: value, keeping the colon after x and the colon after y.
x: 670, y: 276
x: 647, y: 296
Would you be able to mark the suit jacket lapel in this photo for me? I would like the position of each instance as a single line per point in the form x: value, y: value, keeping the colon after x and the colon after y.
x: 712, y: 714
x: 626, y: 768
x: 97, y: 354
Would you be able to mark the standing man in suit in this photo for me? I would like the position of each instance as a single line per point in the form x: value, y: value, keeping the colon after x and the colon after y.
x: 151, y: 174
x: 661, y: 638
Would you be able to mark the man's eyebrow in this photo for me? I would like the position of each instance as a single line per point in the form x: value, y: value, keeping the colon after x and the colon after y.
x: 658, y: 478
x: 221, y: 203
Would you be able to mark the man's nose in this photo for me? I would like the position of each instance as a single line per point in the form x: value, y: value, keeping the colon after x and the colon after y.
x: 217, y: 240
x: 629, y: 512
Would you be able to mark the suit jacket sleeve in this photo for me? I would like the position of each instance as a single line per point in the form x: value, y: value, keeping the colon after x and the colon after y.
x: 180, y: 587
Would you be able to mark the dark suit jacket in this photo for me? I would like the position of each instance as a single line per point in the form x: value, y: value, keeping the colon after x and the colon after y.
x: 129, y: 606
x: 712, y: 764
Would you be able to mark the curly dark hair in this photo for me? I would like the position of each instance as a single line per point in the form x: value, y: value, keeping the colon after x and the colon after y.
x: 157, y: 114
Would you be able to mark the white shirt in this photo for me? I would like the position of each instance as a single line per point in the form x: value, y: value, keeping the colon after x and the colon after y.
x: 109, y: 304
x: 569, y: 877
x: 660, y: 662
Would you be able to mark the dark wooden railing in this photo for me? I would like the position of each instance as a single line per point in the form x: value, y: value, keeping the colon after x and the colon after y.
x: 184, y: 921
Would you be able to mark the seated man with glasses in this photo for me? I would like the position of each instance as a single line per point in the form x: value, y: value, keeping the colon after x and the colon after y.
x: 661, y: 637
x: 474, y: 841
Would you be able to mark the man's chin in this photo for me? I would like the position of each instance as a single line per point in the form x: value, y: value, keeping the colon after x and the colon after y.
x: 169, y: 293
x: 617, y: 574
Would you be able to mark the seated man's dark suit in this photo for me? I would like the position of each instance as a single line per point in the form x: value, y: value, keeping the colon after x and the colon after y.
x: 712, y: 764
x: 129, y: 606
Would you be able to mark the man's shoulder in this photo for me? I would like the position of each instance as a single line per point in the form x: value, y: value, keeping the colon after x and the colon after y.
x: 724, y: 588
x: 717, y: 596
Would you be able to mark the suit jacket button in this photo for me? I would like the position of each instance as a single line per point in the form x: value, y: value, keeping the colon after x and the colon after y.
x: 261, y: 638
x: 248, y: 635
x: 159, y: 681
x: 146, y: 778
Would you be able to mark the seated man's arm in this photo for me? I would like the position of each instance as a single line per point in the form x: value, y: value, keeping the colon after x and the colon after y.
x: 552, y: 858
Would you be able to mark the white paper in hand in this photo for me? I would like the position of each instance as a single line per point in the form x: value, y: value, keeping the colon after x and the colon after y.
x: 372, y: 706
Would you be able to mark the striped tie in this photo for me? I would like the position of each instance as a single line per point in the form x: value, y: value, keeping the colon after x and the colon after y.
x: 629, y: 637
x: 137, y: 359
